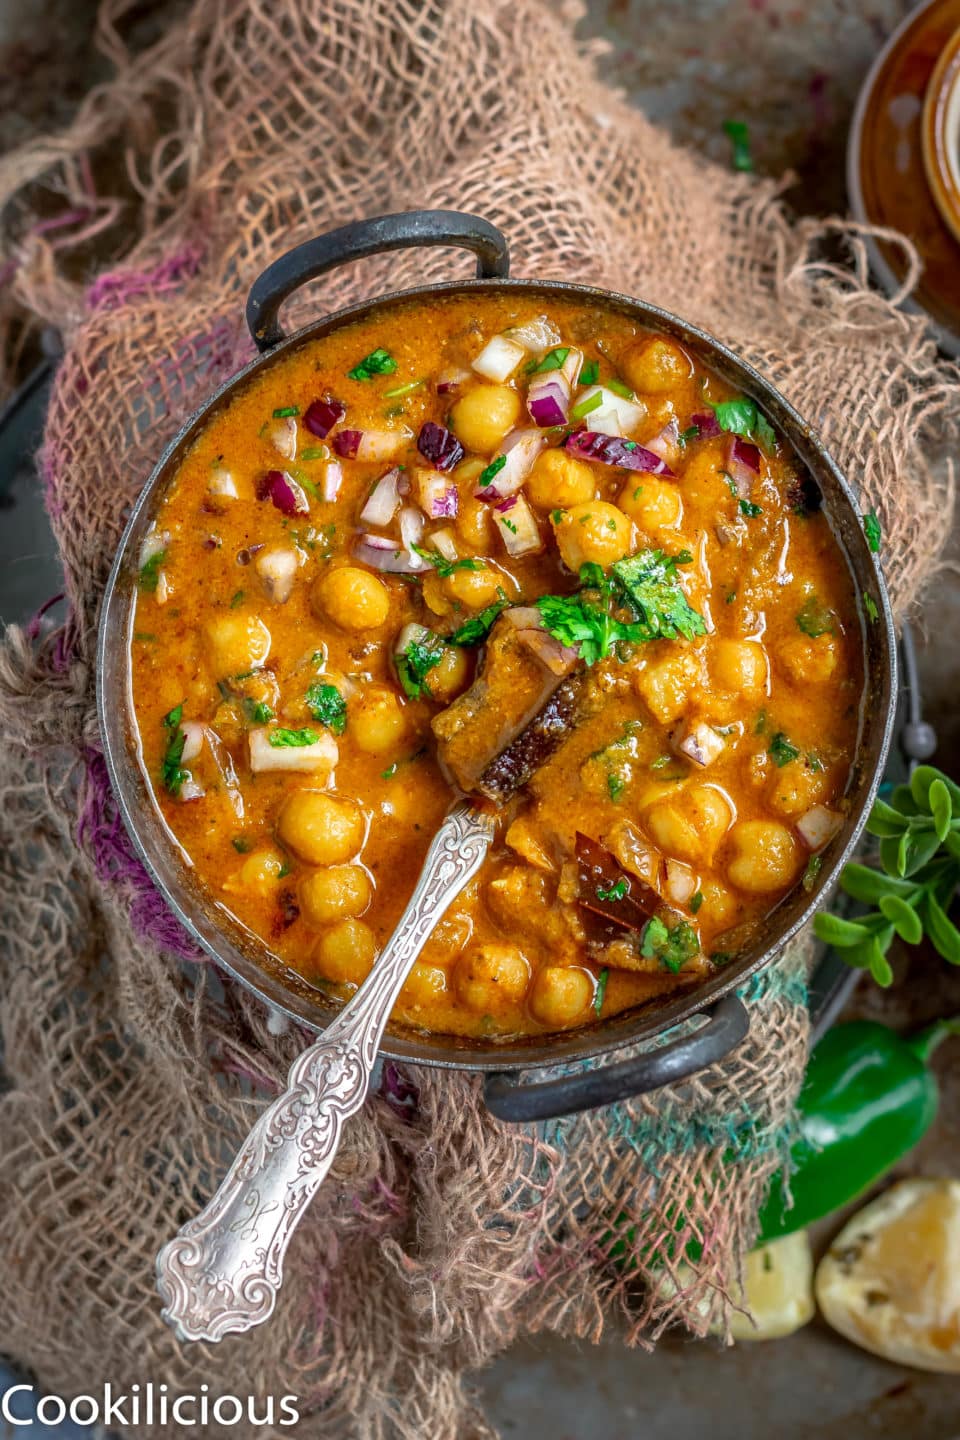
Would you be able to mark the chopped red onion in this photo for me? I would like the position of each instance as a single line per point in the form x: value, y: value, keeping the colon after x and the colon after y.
x: 282, y: 435
x: 322, y: 415
x: 744, y: 453
x: 451, y: 379
x: 289, y: 497
x: 384, y: 500
x: 548, y: 399
x: 613, y: 450
x: 507, y: 504
x: 521, y: 448
x: 332, y: 480
x: 559, y: 659
x: 439, y: 445
x: 277, y: 570
x: 437, y: 495
x: 664, y: 443
x: 707, y: 424
x: 347, y: 443
x: 382, y: 553
x: 740, y: 466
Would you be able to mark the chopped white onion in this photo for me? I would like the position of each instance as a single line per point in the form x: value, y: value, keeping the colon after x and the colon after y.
x: 445, y: 543
x: 571, y: 367
x: 282, y: 434
x: 190, y: 790
x: 558, y: 659
x: 634, y: 852
x: 331, y: 479
x: 193, y: 740
x: 518, y: 527
x: 679, y: 881
x: 665, y: 442
x: 381, y: 445
x: 615, y: 415
x: 222, y: 484
x: 499, y: 358
x: 384, y: 500
x: 164, y: 589
x: 521, y: 448
x: 536, y: 336
x: 818, y: 826
x: 699, y: 743
x: 451, y: 379
x: 153, y: 543
x: 411, y: 533
x: 277, y: 571
x: 411, y: 634
x: 320, y: 757
x: 437, y: 494
x: 224, y: 763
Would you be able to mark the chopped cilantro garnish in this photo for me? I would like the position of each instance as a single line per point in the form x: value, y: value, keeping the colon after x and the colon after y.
x: 692, y: 432
x: 285, y: 411
x: 738, y: 133
x: 258, y: 712
x: 590, y: 373
x: 721, y: 957
x: 238, y: 598
x: 748, y: 508
x: 594, y: 577
x: 616, y: 891
x: 615, y: 786
x: 315, y: 452
x: 731, y: 596
x: 661, y: 762
x: 378, y: 362
x: 172, y: 772
x: 741, y: 416
x: 553, y: 360
x: 282, y: 739
x: 390, y: 771
x: 146, y: 637
x: 761, y: 723
x: 871, y: 528
x: 241, y: 844
x: 815, y: 619
x: 586, y: 405
x: 601, y: 990
x: 671, y: 946
x: 650, y: 583
x: 781, y: 751
x: 472, y: 631
x: 404, y: 389
x: 490, y: 473
x: 445, y: 567
x: 327, y: 706
x: 577, y: 622
x: 814, y: 865
x: 416, y: 662
x: 150, y: 571
x: 870, y: 605
x: 556, y: 516
x: 618, y: 388
x: 695, y: 902
x: 509, y: 525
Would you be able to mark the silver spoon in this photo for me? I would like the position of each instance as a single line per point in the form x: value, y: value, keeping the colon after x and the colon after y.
x: 221, y: 1273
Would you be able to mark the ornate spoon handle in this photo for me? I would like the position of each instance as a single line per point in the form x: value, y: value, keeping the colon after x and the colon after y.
x: 221, y: 1273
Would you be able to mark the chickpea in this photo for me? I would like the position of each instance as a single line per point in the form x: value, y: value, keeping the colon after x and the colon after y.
x: 596, y: 531
x: 491, y: 976
x: 740, y: 665
x: 719, y: 906
x: 335, y: 893
x: 703, y: 483
x: 809, y: 662
x: 656, y: 366
x: 482, y: 416
x: 764, y: 856
x: 258, y: 875
x: 797, y: 787
x: 561, y: 995
x: 236, y: 643
x: 654, y: 504
x: 666, y: 685
x: 320, y: 828
x: 434, y: 594
x: 377, y: 722
x: 559, y: 479
x: 353, y: 598
x: 473, y: 517
x: 448, y: 678
x: 425, y: 985
x: 476, y: 588
x: 691, y: 824
x: 345, y: 954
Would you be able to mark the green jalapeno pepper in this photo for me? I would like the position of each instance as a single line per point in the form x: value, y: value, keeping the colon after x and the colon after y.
x: 868, y: 1097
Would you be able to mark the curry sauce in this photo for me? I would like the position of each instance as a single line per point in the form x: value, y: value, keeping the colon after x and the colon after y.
x: 390, y: 551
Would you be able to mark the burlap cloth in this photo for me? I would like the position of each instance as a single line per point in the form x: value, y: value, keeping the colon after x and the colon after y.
x: 441, y: 1235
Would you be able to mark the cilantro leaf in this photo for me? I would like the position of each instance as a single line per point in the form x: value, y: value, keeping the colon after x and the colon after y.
x: 327, y: 706
x: 748, y: 508
x: 589, y: 628
x: 378, y: 362
x: 416, y: 662
x: 172, y: 773
x: 601, y: 990
x: 781, y: 750
x: 590, y: 373
x: 741, y: 416
x: 258, y: 712
x: 692, y: 432
x: 738, y: 133
x: 672, y: 947
x: 445, y: 567
x: 695, y: 902
x: 815, y: 619
x: 616, y: 892
x: 478, y: 627
x: 870, y: 605
x: 650, y: 583
x: 490, y: 473
x: 615, y: 786
x: 150, y: 571
x: 871, y: 528
x: 282, y: 739
x: 553, y: 360
x: 283, y: 412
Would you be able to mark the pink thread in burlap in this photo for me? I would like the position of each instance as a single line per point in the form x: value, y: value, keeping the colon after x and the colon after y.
x: 440, y: 1235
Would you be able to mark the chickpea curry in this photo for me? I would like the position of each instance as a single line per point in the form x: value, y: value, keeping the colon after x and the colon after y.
x: 526, y: 550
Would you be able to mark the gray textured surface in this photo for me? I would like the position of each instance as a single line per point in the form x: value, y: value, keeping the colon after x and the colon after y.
x: 792, y: 71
